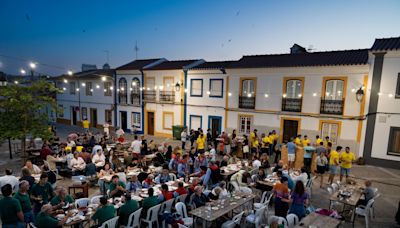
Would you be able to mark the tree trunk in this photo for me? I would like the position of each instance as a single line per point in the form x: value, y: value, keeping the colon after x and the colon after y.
x: 23, y: 149
x: 9, y: 148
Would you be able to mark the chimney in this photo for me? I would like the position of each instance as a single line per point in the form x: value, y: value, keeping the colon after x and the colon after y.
x: 87, y: 67
x: 106, y: 66
x: 297, y: 49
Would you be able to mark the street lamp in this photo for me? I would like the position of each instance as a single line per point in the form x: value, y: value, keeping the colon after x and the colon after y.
x: 23, y: 71
x: 360, y: 95
x: 32, y: 65
x: 70, y: 73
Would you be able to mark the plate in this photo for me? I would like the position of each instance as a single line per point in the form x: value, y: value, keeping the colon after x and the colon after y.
x: 215, y: 208
x: 60, y: 216
x: 233, y: 203
x: 237, y: 197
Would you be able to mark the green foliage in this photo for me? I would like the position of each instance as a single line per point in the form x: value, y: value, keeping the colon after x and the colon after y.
x: 22, y: 109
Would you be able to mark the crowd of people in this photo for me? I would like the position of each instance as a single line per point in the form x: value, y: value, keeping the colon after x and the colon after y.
x: 198, y: 162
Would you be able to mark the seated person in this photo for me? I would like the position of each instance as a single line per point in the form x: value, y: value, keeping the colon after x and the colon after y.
x: 98, y: 158
x: 149, y: 202
x: 224, y: 161
x: 290, y: 180
x: 239, y: 181
x: 127, y: 158
x: 32, y: 167
x: 127, y: 209
x: 165, y: 194
x: 279, y: 166
x: 52, y: 177
x: 259, y: 176
x: 9, y: 178
x: 163, y: 176
x: 45, y: 218
x: 133, y: 185
x: 199, y: 199
x: 77, y: 164
x: 303, y: 177
x: 224, y: 191
x: 117, y: 187
x: 104, y: 213
x: 41, y: 193
x: 143, y: 174
x: 45, y: 151
x: 61, y: 199
x: 180, y: 190
x: 106, y: 171
x: 368, y: 194
x: 148, y: 182
x: 215, y: 193
x: 26, y: 175
x: 121, y: 174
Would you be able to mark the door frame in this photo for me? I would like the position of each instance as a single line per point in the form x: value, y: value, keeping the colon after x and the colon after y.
x: 220, y: 122
x: 146, y: 121
x: 120, y: 120
x: 282, y: 125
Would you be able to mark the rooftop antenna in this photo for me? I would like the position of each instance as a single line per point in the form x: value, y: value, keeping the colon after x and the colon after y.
x: 107, y: 56
x: 136, y: 49
x: 311, y: 48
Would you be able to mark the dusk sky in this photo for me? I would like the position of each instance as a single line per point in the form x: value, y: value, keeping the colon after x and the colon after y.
x: 61, y: 35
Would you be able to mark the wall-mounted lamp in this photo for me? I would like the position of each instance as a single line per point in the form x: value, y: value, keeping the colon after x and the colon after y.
x: 360, y: 94
x: 178, y: 86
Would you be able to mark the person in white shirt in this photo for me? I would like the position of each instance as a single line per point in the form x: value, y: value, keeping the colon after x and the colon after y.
x: 99, y: 159
x: 106, y: 129
x: 52, y: 159
x: 256, y: 163
x: 136, y: 145
x: 32, y: 167
x: 303, y: 177
x: 70, y: 143
x: 78, y: 165
x: 95, y: 149
x: 213, y: 152
x: 239, y: 181
x: 183, y: 138
x: 9, y: 179
x: 121, y: 174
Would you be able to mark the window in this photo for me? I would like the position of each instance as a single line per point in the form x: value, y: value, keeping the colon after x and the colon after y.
x: 293, y: 88
x: 151, y: 82
x: 122, y: 98
x: 248, y: 87
x: 168, y: 83
x: 196, y: 87
x: 107, y: 89
x: 135, y: 92
x: 136, y: 119
x: 334, y: 89
x: 60, y: 111
x: 108, y: 116
x: 195, y: 122
x: 84, y: 113
x: 168, y: 120
x: 89, y: 89
x: 331, y: 129
x: 394, y: 141
x: 398, y: 87
x: 72, y: 88
x: 216, y: 87
x: 245, y: 123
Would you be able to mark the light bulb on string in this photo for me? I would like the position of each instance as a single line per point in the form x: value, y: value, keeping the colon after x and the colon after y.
x: 229, y: 94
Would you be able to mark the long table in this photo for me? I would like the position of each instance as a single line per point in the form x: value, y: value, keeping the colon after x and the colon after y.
x: 221, y: 208
x: 318, y: 220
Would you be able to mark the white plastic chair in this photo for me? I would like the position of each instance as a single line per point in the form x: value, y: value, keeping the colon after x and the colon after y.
x: 172, y: 176
x: 335, y: 187
x: 182, y: 226
x: 234, y: 222
x: 365, y: 211
x: 280, y: 220
x: 134, y: 219
x: 152, y: 216
x: 166, y: 206
x: 95, y: 199
x: 373, y: 208
x: 82, y: 202
x: 257, y: 217
x: 292, y: 220
x: 181, y: 210
x: 265, y: 199
x: 31, y: 225
x: 111, y: 223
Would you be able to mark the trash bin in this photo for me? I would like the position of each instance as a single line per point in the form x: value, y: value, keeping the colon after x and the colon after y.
x: 176, y: 131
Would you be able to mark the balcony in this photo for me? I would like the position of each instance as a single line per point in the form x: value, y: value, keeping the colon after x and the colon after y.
x: 135, y: 99
x: 291, y: 104
x: 167, y: 96
x: 149, y: 96
x: 333, y: 107
x: 247, y: 102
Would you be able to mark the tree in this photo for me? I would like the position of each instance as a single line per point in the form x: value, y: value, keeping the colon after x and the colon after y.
x: 22, y: 110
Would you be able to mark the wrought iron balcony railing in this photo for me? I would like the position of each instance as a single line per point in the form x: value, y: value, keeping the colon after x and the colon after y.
x: 333, y: 107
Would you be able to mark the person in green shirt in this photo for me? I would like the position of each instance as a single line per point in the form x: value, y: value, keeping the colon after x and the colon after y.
x: 104, y: 212
x: 41, y: 193
x: 10, y: 209
x: 149, y: 202
x: 127, y: 209
x: 61, y: 199
x: 23, y: 197
x: 45, y: 220
x: 117, y: 188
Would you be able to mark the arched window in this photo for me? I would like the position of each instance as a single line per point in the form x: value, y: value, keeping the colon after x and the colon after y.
x: 135, y: 92
x: 122, y: 86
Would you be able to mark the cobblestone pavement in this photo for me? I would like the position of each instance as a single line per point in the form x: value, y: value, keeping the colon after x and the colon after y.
x: 386, y: 180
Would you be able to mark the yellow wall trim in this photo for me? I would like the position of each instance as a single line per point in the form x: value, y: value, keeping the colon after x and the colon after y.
x: 226, y: 102
x: 362, y: 107
x: 160, y: 134
x: 244, y: 115
x: 146, y: 120
x: 163, y: 120
x: 182, y: 100
x: 339, y: 123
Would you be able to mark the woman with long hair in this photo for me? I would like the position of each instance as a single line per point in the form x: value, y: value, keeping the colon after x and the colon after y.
x: 299, y: 198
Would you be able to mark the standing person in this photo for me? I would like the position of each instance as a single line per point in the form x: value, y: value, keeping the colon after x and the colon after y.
x: 253, y: 141
x: 333, y: 163
x: 346, y: 159
x: 227, y: 143
x: 209, y: 137
x: 184, y: 138
x: 265, y: 141
x: 234, y: 142
x: 192, y: 137
x: 305, y: 142
x: 320, y: 149
x: 136, y: 146
x: 321, y: 167
x: 297, y: 140
x: 318, y: 141
x: 291, y: 150
x: 10, y: 209
x: 281, y: 193
x: 299, y: 198
x: 201, y: 141
x: 41, y: 193
x: 23, y: 197
x: 327, y: 141
x: 106, y: 129
x: 271, y: 144
x: 86, y: 124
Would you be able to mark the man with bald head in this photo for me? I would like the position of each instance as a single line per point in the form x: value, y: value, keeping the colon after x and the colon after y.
x: 44, y: 218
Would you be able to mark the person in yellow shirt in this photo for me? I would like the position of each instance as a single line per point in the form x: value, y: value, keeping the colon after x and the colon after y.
x: 85, y: 124
x: 346, y: 159
x: 265, y: 141
x: 201, y: 141
x: 306, y: 141
x: 318, y: 141
x: 297, y: 140
x: 327, y: 141
x: 252, y: 141
x: 333, y: 163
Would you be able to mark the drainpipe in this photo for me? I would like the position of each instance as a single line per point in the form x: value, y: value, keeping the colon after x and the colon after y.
x: 115, y: 100
x: 142, y: 103
x: 184, y: 96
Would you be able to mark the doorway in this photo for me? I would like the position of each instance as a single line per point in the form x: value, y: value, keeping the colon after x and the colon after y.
x: 124, y: 120
x: 93, y: 117
x: 290, y: 129
x: 150, y: 123
x: 215, y: 124
x: 74, y: 115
